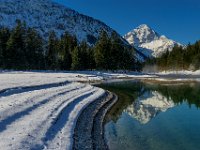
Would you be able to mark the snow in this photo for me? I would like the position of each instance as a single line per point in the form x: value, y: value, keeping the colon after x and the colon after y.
x: 13, y: 79
x: 10, y: 80
x: 47, y: 15
x: 150, y: 43
x: 181, y: 72
x: 57, y: 18
x: 39, y: 109
x: 148, y: 106
x: 41, y: 117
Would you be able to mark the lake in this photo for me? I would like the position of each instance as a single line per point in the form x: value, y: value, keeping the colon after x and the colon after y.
x: 153, y: 116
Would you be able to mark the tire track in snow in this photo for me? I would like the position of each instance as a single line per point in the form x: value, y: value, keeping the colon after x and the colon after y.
x: 44, y: 130
x: 25, y: 121
x: 14, y: 104
x: 9, y: 120
x: 64, y: 138
x: 61, y: 120
x: 42, y: 114
x: 22, y: 89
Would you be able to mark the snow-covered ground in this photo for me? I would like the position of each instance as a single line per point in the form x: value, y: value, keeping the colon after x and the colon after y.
x: 18, y: 79
x: 39, y: 110
x: 183, y: 72
x: 178, y: 76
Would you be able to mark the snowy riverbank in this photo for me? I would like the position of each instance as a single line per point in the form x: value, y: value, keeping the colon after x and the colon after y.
x: 39, y: 110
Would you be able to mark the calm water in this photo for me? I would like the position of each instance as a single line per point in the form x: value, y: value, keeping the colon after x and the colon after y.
x: 154, y: 116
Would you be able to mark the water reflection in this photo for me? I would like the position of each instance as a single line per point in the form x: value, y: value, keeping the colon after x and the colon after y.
x: 154, y: 116
x: 144, y: 101
x: 179, y: 93
x: 148, y: 105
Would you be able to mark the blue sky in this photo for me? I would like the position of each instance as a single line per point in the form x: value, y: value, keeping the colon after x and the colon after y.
x: 177, y: 19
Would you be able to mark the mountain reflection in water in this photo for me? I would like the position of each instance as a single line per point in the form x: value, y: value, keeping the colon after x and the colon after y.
x: 147, y: 106
x: 153, y: 116
x: 144, y: 101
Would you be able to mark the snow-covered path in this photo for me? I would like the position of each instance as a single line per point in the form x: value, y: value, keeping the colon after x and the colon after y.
x: 39, y: 110
x: 42, y: 116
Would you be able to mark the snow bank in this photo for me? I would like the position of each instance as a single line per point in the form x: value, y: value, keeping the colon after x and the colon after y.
x: 42, y: 116
x: 19, y: 79
x: 39, y: 110
x: 183, y: 72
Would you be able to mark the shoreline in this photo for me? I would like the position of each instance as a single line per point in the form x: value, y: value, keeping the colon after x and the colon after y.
x: 89, y: 129
x: 151, y: 80
x: 18, y: 87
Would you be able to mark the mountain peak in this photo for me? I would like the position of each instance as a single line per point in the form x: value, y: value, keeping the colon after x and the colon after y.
x: 149, y: 42
x: 143, y: 26
x: 141, y: 34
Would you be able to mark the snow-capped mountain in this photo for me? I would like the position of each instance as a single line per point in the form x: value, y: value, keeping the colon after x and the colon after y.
x: 149, y: 42
x: 148, y: 106
x: 46, y: 16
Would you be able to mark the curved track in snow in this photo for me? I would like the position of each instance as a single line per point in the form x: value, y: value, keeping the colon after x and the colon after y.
x: 43, y: 116
x: 89, y: 130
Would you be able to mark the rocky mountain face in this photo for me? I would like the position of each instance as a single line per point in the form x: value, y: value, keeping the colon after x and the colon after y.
x: 148, y: 106
x: 149, y: 42
x: 46, y: 16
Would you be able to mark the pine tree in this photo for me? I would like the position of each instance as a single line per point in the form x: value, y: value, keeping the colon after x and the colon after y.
x: 116, y: 52
x: 90, y: 58
x: 15, y: 49
x: 76, y: 62
x: 80, y: 57
x: 4, y: 36
x: 128, y: 61
x: 84, y: 55
x: 102, y: 52
x: 64, y: 53
x: 67, y: 44
x: 1, y: 55
x: 34, y: 50
x: 52, y: 51
x: 121, y: 55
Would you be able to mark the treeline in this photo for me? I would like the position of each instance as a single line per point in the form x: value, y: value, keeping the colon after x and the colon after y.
x: 180, y: 58
x: 23, y: 48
